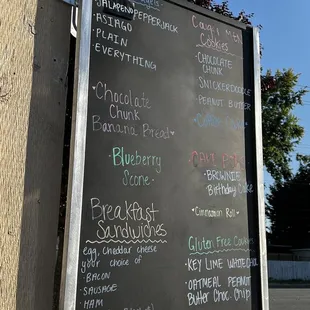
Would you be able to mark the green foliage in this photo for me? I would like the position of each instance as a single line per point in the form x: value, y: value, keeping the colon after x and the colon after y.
x: 223, y: 9
x: 281, y: 131
x: 289, y: 210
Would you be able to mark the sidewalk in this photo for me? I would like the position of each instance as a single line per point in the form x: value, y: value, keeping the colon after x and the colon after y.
x: 289, y: 285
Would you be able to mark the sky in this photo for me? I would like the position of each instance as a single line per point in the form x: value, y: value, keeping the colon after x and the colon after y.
x: 286, y: 40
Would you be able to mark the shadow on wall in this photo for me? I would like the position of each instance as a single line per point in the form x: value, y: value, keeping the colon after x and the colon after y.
x: 51, y: 31
x: 65, y: 174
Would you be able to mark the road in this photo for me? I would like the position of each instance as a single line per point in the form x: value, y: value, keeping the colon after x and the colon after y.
x: 289, y: 298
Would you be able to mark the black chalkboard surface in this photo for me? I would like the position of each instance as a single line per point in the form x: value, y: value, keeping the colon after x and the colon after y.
x: 170, y: 213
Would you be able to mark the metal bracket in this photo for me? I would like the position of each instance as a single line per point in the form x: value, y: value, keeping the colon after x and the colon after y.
x: 74, y: 13
x: 74, y: 20
x: 72, y: 2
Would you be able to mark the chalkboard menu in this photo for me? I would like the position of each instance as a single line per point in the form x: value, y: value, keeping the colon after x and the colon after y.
x: 169, y: 216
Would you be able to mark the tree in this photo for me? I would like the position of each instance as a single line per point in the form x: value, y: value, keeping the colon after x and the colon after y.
x: 223, y: 9
x: 281, y: 131
x: 288, y: 209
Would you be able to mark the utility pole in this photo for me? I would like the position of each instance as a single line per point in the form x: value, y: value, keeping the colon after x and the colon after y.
x: 34, y: 52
